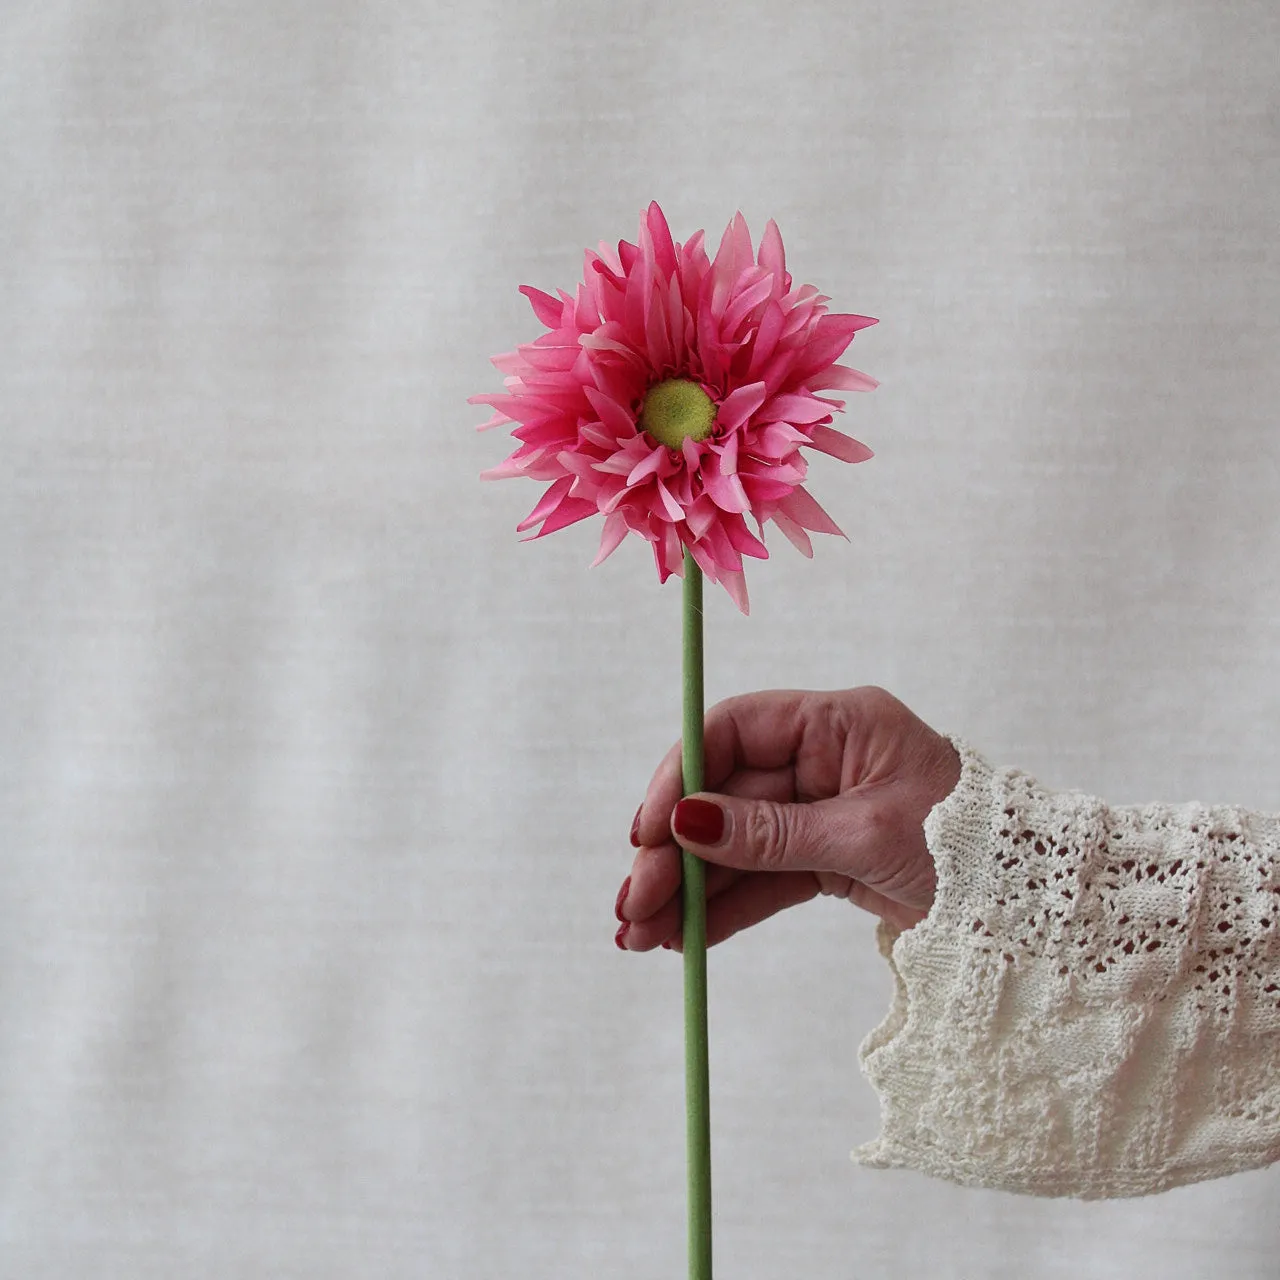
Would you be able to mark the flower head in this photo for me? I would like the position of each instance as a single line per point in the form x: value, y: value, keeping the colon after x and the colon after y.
x: 672, y: 395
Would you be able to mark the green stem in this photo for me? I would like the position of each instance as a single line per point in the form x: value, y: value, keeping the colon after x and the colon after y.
x: 697, y: 1075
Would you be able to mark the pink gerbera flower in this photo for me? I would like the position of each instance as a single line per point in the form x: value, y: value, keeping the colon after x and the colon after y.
x: 673, y: 394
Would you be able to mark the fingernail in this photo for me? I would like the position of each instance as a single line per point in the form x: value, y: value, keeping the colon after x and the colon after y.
x: 620, y: 938
x: 635, y: 828
x: 699, y: 821
x: 622, y: 897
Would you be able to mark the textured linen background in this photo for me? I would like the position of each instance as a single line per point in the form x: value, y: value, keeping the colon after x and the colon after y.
x: 315, y: 785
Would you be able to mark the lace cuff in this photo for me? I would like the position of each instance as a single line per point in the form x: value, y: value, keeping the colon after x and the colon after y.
x: 1092, y: 1007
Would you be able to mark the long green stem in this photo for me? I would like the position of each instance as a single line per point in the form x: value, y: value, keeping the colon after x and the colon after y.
x: 697, y: 1075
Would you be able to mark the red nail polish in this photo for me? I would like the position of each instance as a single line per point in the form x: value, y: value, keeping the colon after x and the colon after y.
x: 622, y: 897
x: 699, y: 821
x: 635, y: 828
x: 620, y: 938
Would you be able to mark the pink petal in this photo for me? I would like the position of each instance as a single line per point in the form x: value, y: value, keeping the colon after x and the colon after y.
x: 791, y: 470
x: 580, y: 465
x: 776, y: 372
x: 603, y: 260
x: 772, y: 256
x: 806, y: 293
x: 675, y: 319
x: 614, y: 416
x: 766, y: 340
x: 736, y: 585
x: 663, y: 572
x: 778, y: 439
x: 726, y: 492
x: 543, y: 468
x: 763, y: 489
x: 622, y: 383
x: 646, y: 467
x: 617, y: 464
x: 701, y: 516
x: 729, y: 262
x: 839, y: 445
x: 615, y: 530
x: 546, y: 504
x: 600, y: 341
x: 664, y: 249
x: 694, y: 250
x: 739, y: 405
x: 634, y: 304
x: 717, y: 301
x: 794, y: 534
x: 679, y: 482
x: 839, y: 377
x: 496, y: 421
x: 655, y: 323
x: 570, y: 511
x: 548, y: 359
x: 746, y: 302
x: 611, y: 499
x: 744, y: 540
x: 803, y: 508
x: 526, y: 409
x: 585, y: 312
x: 507, y: 470
x: 830, y: 336
x: 709, y: 345
x: 548, y: 431
x: 725, y: 555
x: 667, y: 553
x: 704, y: 558
x: 510, y: 361
x: 794, y: 409
x: 545, y: 307
x: 597, y: 434
x: 729, y: 456
x: 672, y: 509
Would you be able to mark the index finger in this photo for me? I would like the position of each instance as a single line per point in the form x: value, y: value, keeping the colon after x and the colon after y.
x: 753, y: 731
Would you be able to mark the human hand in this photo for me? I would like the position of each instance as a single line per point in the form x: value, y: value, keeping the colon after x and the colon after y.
x: 816, y: 793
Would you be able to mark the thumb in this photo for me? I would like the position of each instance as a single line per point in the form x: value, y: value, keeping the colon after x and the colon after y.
x: 764, y: 835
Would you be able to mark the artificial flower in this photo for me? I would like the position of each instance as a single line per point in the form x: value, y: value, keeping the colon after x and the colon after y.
x: 672, y: 395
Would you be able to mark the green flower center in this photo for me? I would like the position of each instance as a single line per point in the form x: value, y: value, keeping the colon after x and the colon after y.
x: 676, y: 410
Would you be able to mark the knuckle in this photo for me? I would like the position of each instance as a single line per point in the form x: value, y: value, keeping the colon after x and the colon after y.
x: 724, y: 711
x: 875, y: 695
x: 835, y: 884
x: 879, y: 703
x: 881, y: 819
x: 768, y: 834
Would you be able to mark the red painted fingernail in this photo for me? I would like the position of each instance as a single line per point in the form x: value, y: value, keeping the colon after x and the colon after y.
x: 622, y: 897
x: 620, y: 938
x: 635, y: 828
x: 699, y: 821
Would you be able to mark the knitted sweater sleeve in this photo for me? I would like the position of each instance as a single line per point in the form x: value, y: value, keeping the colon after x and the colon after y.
x: 1092, y: 1006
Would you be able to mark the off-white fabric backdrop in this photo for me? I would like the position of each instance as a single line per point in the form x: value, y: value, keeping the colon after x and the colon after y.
x: 314, y: 784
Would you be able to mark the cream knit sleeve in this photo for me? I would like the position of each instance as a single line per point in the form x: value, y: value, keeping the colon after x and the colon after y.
x: 1092, y: 1007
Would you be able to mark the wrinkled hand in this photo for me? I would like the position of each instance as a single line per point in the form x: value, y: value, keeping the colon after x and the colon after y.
x: 814, y: 793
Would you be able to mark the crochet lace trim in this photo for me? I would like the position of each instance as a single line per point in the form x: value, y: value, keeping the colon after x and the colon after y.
x: 1092, y: 1006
